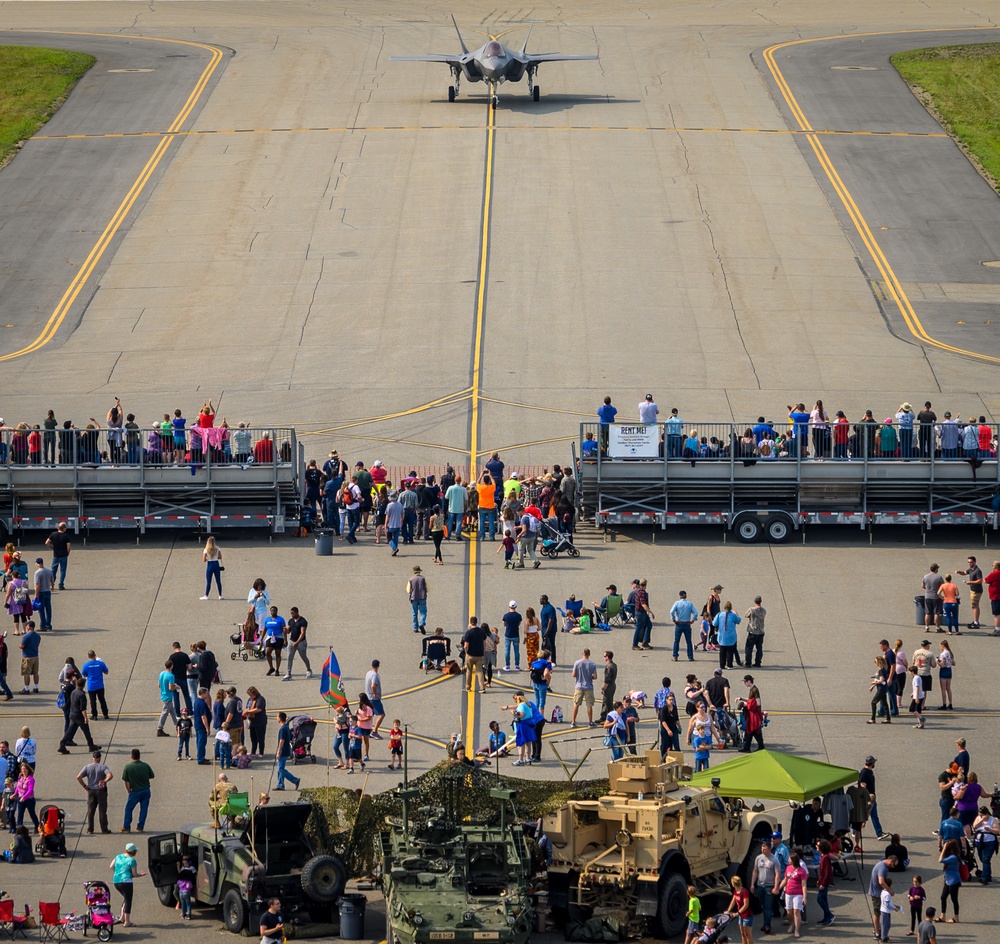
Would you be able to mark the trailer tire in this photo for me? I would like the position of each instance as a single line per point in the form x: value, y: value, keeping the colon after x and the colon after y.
x: 748, y: 529
x: 779, y: 528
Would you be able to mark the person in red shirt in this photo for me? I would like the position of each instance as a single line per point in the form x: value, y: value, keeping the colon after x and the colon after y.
x: 739, y: 906
x: 263, y: 450
x: 824, y: 879
x: 206, y: 418
x: 35, y: 446
x: 993, y: 585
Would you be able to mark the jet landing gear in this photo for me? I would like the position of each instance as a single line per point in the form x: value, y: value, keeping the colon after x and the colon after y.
x: 494, y: 98
x: 453, y: 89
x: 533, y: 90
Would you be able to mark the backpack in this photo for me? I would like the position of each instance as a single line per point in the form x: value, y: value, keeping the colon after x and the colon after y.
x: 534, y: 525
x: 765, y: 448
x: 20, y: 594
x: 538, y: 672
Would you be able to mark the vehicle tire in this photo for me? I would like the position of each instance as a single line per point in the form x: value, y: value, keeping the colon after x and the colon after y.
x: 234, y: 911
x: 779, y: 529
x: 671, y: 916
x: 536, y: 93
x: 748, y: 529
x: 760, y: 833
x: 166, y: 896
x: 451, y: 93
x: 312, y: 758
x: 324, y: 878
x: 104, y: 933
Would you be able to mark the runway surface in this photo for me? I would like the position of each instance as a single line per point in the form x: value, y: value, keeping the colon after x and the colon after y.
x: 325, y: 240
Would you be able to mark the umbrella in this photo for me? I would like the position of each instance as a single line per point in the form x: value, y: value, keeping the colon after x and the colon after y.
x: 772, y: 775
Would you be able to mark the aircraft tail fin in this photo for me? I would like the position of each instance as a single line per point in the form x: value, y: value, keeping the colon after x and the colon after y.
x: 462, y: 41
x: 524, y: 48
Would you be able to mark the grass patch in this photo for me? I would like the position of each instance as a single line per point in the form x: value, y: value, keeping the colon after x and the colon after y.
x: 33, y: 84
x: 960, y: 86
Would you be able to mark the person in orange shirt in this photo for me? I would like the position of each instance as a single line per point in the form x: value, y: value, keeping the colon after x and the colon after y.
x: 486, y: 489
x: 948, y: 592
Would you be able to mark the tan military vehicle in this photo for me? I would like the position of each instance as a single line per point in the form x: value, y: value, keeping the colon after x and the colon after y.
x: 631, y: 854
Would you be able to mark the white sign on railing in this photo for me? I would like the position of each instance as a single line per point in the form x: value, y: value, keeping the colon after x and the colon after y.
x: 633, y: 442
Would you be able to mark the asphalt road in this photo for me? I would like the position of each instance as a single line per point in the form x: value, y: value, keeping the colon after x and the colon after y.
x: 328, y: 242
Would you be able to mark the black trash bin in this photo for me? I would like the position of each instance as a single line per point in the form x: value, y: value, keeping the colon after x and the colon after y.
x: 918, y: 602
x: 352, y: 917
x: 324, y: 543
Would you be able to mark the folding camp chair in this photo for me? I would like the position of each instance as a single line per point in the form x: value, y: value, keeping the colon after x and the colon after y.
x: 613, y: 614
x: 575, y: 607
x: 236, y: 805
x: 7, y: 918
x: 51, y: 927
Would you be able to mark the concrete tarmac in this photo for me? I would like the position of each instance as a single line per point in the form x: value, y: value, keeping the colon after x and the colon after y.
x: 328, y: 242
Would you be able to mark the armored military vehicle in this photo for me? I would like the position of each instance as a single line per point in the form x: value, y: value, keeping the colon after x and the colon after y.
x: 631, y: 854
x: 241, y: 868
x: 454, y: 872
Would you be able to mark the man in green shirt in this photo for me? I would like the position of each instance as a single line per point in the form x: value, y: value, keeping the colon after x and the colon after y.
x: 136, y: 776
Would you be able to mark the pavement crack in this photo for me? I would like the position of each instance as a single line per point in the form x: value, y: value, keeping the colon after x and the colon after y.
x: 137, y: 320
x: 252, y: 241
x: 707, y: 222
x: 312, y: 299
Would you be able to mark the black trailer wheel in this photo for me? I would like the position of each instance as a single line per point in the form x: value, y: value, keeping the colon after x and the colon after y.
x: 748, y: 529
x: 779, y: 529
x: 672, y: 914
x: 234, y: 911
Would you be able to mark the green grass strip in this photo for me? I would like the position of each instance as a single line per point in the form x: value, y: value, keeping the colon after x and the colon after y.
x: 960, y: 85
x: 33, y: 84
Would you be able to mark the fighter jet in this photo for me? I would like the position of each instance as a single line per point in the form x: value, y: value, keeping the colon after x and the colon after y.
x: 494, y: 64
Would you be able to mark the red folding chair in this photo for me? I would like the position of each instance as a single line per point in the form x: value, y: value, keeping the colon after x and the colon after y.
x: 51, y: 927
x: 7, y: 918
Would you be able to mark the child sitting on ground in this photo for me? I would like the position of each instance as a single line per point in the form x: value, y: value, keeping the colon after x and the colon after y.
x: 242, y: 758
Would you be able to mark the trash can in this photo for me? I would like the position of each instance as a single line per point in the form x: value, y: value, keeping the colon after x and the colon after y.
x: 324, y: 544
x: 918, y: 602
x: 352, y: 917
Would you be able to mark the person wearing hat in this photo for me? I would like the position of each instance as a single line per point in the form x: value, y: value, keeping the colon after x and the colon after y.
x: 94, y: 778
x: 866, y: 777
x: 43, y: 594
x: 904, y: 420
x: 711, y: 609
x: 608, y: 602
x: 512, y: 636
x: 648, y: 410
x: 416, y: 590
x: 512, y: 486
x: 378, y: 473
x: 683, y: 613
x: 926, y: 662
x: 126, y: 870
x: 864, y: 437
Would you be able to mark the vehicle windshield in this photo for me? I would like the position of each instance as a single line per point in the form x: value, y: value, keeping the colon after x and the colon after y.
x: 494, y: 51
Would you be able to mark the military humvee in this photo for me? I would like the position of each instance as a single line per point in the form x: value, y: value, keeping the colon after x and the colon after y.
x: 631, y: 854
x: 455, y: 873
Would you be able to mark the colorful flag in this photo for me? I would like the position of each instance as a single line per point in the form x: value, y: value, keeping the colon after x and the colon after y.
x: 330, y: 686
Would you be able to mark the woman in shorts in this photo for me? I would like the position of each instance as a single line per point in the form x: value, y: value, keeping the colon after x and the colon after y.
x: 794, y: 886
x: 739, y: 907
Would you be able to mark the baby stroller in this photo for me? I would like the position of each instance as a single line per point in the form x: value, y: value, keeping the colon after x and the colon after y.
x: 303, y: 729
x: 729, y: 727
x: 52, y: 827
x: 556, y: 542
x: 715, y: 935
x: 99, y: 914
x: 247, y: 641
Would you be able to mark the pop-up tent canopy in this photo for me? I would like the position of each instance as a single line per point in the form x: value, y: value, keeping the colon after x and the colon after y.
x: 772, y: 775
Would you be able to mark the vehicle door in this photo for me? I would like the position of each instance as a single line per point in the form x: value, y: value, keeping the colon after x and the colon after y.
x: 164, y: 859
x: 204, y: 860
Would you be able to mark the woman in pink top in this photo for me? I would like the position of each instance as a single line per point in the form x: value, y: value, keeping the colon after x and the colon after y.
x: 363, y: 716
x: 24, y: 794
x: 794, y: 886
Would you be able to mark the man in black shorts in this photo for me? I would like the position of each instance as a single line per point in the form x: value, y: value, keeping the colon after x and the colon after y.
x: 993, y: 585
x: 274, y: 640
x: 932, y: 602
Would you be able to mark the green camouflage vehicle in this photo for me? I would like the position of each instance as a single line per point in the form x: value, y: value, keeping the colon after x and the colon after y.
x: 455, y: 874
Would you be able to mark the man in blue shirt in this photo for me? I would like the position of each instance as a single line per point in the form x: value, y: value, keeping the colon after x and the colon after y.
x: 763, y: 430
x: 202, y: 724
x: 675, y: 434
x: 800, y: 426
x: 683, y: 613
x: 495, y: 467
x: 550, y: 626
x: 29, y: 656
x: 94, y: 670
x: 274, y: 640
x: 284, y: 752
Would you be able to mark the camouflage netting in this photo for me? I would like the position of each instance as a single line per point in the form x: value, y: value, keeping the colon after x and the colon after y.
x: 339, y: 826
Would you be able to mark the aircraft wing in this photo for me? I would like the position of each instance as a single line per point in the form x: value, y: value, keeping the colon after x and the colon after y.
x: 451, y: 60
x: 537, y: 57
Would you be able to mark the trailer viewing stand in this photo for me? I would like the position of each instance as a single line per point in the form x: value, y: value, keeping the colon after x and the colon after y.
x: 626, y: 479
x: 92, y: 483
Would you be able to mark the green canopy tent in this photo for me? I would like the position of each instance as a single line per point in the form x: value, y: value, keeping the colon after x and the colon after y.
x: 772, y: 775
